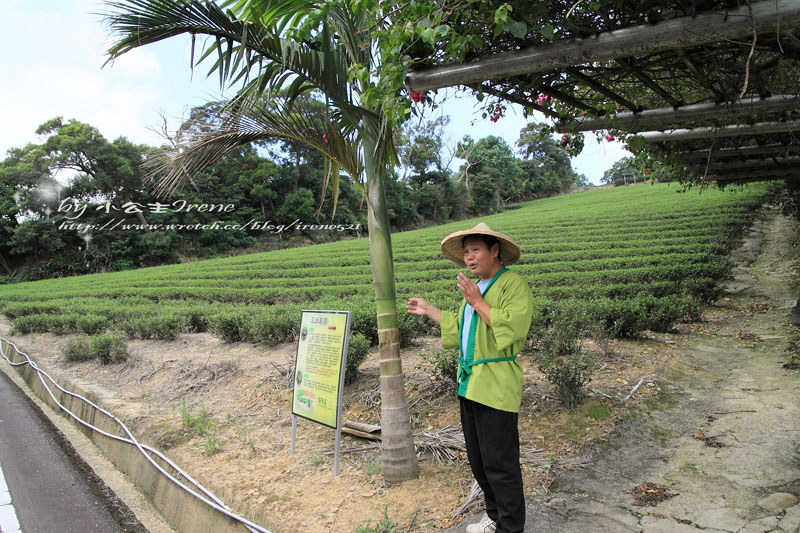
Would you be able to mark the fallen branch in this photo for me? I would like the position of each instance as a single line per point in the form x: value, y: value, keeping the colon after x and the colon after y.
x: 366, y: 448
x: 633, y: 390
x: 601, y: 393
x: 473, y: 498
x: 541, y: 460
x: 443, y: 445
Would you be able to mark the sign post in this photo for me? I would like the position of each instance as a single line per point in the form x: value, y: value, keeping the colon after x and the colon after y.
x: 319, y: 372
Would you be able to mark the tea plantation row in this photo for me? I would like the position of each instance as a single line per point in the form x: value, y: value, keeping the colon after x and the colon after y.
x: 639, y: 257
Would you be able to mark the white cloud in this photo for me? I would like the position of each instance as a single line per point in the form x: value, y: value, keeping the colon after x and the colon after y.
x: 60, y: 73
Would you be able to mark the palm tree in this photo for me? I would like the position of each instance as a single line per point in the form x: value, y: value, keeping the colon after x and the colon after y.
x: 288, y: 48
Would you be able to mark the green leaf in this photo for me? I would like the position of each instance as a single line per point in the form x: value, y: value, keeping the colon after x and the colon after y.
x: 548, y: 32
x: 519, y: 30
x: 501, y: 14
x: 424, y: 23
x: 428, y: 34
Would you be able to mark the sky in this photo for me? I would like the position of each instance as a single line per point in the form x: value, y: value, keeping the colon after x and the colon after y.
x: 53, y: 57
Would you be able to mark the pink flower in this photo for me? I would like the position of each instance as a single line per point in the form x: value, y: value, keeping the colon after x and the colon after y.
x: 325, y: 138
x: 417, y: 97
x: 497, y: 113
x: 644, y: 170
x: 609, y: 137
x: 542, y: 98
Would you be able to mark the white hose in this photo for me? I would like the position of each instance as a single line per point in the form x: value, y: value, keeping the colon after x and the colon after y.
x: 144, y: 449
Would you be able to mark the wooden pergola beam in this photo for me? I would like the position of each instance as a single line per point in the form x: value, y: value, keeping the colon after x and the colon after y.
x: 698, y: 74
x: 601, y: 89
x: 708, y: 132
x: 763, y: 175
x: 751, y: 164
x: 739, y: 152
x: 638, y: 40
x: 667, y: 116
x: 627, y: 64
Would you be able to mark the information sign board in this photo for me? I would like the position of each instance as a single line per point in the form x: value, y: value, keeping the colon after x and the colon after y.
x: 319, y: 366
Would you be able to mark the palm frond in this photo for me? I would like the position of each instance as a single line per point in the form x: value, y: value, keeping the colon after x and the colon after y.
x: 269, y: 11
x: 253, y: 53
x: 171, y: 169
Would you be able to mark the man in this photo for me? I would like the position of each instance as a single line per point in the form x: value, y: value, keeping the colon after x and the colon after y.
x: 490, y: 330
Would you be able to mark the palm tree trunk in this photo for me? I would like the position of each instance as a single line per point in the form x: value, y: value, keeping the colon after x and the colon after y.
x: 398, y: 455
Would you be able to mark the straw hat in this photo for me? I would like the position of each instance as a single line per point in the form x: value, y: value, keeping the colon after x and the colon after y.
x: 453, y: 250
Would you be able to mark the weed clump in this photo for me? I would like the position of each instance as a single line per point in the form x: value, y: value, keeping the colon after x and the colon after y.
x: 386, y: 525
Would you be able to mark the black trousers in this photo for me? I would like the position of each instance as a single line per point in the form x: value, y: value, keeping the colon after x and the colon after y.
x: 492, y: 440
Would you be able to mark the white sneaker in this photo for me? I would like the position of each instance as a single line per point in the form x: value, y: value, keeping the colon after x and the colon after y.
x: 486, y: 525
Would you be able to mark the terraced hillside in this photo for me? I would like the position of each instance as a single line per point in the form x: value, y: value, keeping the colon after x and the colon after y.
x: 641, y: 257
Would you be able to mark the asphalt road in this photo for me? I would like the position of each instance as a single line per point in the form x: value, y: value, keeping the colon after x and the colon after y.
x: 51, y: 489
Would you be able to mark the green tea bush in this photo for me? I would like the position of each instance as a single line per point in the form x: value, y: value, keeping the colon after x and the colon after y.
x: 691, y: 308
x: 230, y: 326
x: 76, y: 349
x: 705, y: 290
x: 198, y: 322
x: 412, y: 326
x: 560, y: 357
x: 164, y: 327
x: 363, y: 318
x: 620, y: 318
x: 91, y: 323
x: 66, y: 323
x: 17, y: 309
x: 660, y: 314
x: 108, y: 348
x: 32, y: 324
x: 272, y: 325
x: 444, y: 367
x: 357, y: 351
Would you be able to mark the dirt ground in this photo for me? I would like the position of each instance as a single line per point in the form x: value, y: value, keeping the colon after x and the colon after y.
x: 245, y: 389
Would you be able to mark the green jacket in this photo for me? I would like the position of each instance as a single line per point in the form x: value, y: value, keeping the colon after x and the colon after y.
x: 491, y: 374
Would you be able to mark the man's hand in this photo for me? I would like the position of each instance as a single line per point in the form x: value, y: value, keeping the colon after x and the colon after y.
x: 472, y: 294
x: 420, y: 306
x: 470, y: 290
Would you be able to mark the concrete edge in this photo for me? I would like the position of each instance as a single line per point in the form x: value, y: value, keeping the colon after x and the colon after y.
x: 159, y: 504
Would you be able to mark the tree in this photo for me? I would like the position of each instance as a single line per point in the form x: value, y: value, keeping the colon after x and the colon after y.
x: 421, y: 146
x: 546, y: 168
x: 112, y: 170
x: 295, y: 47
x: 21, y: 173
x: 489, y: 161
